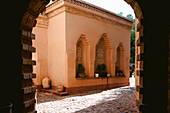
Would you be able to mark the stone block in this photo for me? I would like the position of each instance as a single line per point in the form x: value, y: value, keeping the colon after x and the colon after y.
x: 25, y: 47
x: 32, y: 36
x: 29, y: 89
x: 29, y: 103
x: 24, y: 33
x: 140, y: 57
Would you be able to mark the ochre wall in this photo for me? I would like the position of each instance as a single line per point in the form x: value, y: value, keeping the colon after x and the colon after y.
x: 41, y: 55
x: 51, y: 52
x: 56, y: 50
x: 93, y: 30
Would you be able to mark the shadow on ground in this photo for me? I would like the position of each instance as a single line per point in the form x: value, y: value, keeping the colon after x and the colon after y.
x: 123, y: 103
x: 43, y: 97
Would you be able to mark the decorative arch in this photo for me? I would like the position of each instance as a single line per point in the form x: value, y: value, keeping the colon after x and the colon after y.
x: 35, y: 7
x: 119, y: 64
x: 104, y: 52
x: 82, y: 53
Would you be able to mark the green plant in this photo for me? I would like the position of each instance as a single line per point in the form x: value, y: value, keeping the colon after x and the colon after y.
x: 117, y: 68
x: 120, y: 71
x: 81, y: 68
x: 101, y: 68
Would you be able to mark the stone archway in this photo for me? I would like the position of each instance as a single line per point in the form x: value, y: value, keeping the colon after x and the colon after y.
x: 28, y: 22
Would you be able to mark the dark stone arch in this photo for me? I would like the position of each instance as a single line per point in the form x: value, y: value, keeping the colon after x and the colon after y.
x: 152, y: 40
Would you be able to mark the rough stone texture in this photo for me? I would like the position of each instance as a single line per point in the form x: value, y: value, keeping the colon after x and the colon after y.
x: 119, y: 100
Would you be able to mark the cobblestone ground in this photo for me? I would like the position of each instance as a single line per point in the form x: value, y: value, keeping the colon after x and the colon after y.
x: 118, y: 100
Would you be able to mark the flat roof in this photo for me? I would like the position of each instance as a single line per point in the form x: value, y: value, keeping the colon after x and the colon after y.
x: 94, y: 8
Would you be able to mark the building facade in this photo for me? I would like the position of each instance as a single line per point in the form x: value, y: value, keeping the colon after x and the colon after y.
x: 73, y: 34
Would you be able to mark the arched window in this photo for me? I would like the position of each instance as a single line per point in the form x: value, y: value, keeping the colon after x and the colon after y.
x: 79, y: 53
x: 103, y: 55
x: 82, y: 57
x: 118, y: 59
x: 119, y: 64
x: 100, y: 53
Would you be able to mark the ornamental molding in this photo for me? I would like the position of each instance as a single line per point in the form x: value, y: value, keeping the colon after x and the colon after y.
x: 42, y: 21
x: 70, y: 6
x: 89, y: 6
x: 95, y: 16
x: 77, y: 11
x: 56, y: 12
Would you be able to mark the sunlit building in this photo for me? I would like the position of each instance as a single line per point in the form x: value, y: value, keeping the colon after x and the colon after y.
x: 82, y: 47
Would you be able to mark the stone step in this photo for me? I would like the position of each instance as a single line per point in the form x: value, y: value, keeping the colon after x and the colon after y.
x: 54, y: 92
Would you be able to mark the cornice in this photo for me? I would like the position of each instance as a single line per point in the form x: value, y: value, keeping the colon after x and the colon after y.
x: 42, y: 21
x: 56, y: 12
x: 95, y: 16
x: 90, y: 7
x: 101, y: 15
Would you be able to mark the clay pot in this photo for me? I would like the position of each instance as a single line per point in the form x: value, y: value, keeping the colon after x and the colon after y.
x: 46, y: 83
x: 81, y: 75
x: 96, y: 75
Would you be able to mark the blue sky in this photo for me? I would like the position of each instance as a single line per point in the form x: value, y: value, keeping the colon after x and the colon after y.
x: 115, y: 6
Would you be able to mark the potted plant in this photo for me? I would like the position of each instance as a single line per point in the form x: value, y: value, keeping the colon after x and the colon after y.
x: 117, y: 68
x: 108, y: 75
x: 121, y: 73
x: 117, y: 73
x: 81, y: 71
x: 97, y: 73
x: 102, y: 70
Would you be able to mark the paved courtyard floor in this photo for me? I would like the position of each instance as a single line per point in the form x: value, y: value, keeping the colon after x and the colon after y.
x: 118, y: 100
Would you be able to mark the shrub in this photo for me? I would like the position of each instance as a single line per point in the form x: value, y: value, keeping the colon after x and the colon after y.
x: 101, y: 68
x: 81, y: 68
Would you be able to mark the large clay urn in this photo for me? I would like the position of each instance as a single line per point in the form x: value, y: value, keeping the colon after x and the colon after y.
x: 46, y: 83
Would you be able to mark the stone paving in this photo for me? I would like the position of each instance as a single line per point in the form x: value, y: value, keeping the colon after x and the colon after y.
x: 118, y: 100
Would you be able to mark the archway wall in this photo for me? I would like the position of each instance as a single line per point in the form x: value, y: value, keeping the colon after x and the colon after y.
x: 121, y: 58
x: 29, y: 21
x: 37, y: 6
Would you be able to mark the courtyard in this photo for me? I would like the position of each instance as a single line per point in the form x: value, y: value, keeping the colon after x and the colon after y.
x: 118, y: 100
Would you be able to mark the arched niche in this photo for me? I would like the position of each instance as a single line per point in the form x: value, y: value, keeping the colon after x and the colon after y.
x: 119, y: 64
x: 103, y: 53
x: 82, y: 54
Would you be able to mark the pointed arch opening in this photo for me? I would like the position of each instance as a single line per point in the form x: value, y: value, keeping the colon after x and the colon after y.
x: 119, y: 64
x: 82, y: 57
x: 103, y: 56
